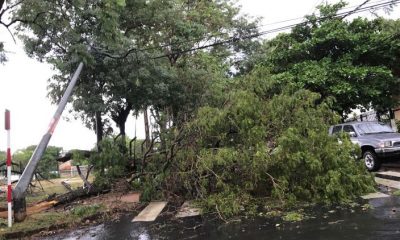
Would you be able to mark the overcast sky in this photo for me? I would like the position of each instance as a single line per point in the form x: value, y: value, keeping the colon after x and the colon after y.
x: 23, y: 83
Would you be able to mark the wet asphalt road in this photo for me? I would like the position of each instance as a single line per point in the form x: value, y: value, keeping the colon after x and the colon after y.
x: 381, y: 222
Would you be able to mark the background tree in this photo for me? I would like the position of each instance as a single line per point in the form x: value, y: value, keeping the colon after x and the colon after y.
x: 119, y: 77
x: 352, y: 61
x: 3, y: 158
x: 48, y: 165
x: 2, y: 11
x: 66, y: 32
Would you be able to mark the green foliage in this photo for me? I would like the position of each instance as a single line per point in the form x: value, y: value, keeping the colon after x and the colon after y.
x: 48, y: 164
x: 150, y: 188
x: 230, y: 203
x: 173, y: 85
x: 3, y: 156
x: 356, y: 61
x: 396, y: 193
x: 293, y: 217
x: 86, y: 211
x: 266, y: 144
x: 111, y: 163
x: 79, y: 157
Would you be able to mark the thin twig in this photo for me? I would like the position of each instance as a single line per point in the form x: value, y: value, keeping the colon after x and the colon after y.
x: 219, y: 214
x: 275, y: 185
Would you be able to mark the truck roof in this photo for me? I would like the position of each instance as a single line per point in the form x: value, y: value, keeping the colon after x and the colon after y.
x: 357, y: 122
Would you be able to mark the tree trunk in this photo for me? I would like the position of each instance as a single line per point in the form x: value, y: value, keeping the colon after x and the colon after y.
x: 120, y: 120
x: 67, y: 186
x: 78, y: 193
x: 122, y: 132
x: 162, y: 123
x: 86, y: 183
x: 146, y: 126
x: 99, y: 130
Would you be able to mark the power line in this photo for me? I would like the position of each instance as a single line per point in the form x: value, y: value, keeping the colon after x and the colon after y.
x: 199, y: 39
x: 236, y: 39
x: 300, y: 18
x: 361, y: 5
x: 358, y: 9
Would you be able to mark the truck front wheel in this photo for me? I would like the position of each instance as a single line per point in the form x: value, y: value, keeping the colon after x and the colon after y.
x: 371, y: 161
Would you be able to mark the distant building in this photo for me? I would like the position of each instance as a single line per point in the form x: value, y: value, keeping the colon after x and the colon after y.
x: 68, y: 170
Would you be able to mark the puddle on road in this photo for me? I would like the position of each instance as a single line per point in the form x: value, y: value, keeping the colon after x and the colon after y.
x: 380, y: 222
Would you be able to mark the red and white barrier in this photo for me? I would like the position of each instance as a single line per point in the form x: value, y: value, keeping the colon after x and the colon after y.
x: 9, y: 189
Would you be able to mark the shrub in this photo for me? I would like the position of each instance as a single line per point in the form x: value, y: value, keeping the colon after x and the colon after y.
x: 110, y: 163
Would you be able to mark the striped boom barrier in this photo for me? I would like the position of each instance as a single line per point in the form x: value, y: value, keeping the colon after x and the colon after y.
x: 9, y: 188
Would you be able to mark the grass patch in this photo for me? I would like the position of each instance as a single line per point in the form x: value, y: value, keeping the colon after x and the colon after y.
x: 86, y: 211
x: 396, y: 193
x: 50, y: 219
x: 293, y: 217
x: 49, y: 187
x: 35, y: 222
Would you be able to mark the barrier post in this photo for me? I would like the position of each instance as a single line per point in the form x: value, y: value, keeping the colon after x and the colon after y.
x: 9, y: 188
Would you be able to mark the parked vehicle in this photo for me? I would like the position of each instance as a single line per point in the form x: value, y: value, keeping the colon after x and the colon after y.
x: 378, y: 141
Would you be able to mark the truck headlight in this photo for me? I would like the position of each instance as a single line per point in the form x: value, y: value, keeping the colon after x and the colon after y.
x: 385, y: 144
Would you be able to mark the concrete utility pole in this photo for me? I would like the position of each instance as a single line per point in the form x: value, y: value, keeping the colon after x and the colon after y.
x: 26, y: 177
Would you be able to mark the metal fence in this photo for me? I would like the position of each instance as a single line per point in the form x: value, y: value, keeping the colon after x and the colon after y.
x: 370, y: 116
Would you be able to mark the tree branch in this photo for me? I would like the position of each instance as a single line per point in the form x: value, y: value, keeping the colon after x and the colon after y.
x: 87, y: 184
x: 7, y: 25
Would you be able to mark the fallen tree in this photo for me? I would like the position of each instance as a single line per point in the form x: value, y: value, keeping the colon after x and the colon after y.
x: 78, y: 193
x: 264, y: 147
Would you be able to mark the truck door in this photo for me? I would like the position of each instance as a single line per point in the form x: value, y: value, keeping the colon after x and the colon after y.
x: 349, y: 129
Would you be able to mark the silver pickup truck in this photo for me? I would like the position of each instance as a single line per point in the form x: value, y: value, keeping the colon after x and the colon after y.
x: 378, y: 141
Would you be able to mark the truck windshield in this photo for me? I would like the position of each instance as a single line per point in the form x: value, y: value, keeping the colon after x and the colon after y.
x: 372, y: 128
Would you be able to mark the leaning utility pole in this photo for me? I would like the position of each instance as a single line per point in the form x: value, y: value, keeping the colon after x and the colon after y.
x: 26, y: 177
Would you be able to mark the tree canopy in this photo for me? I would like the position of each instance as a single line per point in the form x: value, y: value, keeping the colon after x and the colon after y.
x: 48, y: 165
x: 136, y: 52
x: 355, y: 61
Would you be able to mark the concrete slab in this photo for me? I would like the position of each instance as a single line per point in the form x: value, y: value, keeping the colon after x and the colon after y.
x: 187, y: 210
x: 390, y: 173
x: 130, y: 198
x: 151, y: 212
x: 375, y: 195
x: 387, y: 182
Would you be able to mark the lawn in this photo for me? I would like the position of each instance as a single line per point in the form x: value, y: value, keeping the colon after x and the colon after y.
x: 37, y: 194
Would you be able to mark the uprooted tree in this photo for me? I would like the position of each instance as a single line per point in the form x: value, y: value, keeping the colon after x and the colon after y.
x: 259, y: 148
